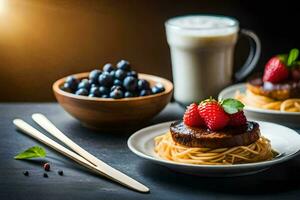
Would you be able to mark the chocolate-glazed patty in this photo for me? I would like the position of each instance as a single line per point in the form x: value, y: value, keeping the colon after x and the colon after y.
x: 279, y: 91
x: 202, y: 137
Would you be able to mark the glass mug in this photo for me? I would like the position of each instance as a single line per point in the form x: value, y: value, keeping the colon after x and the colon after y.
x: 202, y: 48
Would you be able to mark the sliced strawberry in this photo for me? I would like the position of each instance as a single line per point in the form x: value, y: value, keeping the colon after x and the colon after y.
x: 275, y: 71
x: 213, y: 114
x: 237, y: 119
x: 191, y: 116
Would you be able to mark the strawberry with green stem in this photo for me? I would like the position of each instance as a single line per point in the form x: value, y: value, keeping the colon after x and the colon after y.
x: 277, y: 68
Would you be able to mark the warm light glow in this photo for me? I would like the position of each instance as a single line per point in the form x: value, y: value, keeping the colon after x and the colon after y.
x: 2, y: 6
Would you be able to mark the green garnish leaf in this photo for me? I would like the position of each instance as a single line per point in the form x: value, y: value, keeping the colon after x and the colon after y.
x: 232, y: 106
x: 293, y: 55
x: 32, y: 152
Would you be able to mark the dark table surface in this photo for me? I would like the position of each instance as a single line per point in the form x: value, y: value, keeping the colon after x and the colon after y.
x: 279, y: 182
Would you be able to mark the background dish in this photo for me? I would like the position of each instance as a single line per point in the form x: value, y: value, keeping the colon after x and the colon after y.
x: 114, y: 114
x: 291, y: 119
x: 284, y: 140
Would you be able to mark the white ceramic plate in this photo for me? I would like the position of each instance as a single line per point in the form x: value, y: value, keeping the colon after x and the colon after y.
x: 284, y: 140
x: 291, y: 119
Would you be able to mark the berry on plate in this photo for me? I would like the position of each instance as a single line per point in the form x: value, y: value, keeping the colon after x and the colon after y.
x: 191, y: 116
x: 237, y: 119
x: 213, y: 114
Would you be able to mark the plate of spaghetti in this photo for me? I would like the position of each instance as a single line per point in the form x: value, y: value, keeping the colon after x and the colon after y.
x: 274, y: 96
x: 215, y: 143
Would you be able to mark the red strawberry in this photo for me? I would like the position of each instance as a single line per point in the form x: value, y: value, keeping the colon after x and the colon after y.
x: 237, y: 119
x: 213, y: 114
x: 275, y: 71
x: 191, y: 116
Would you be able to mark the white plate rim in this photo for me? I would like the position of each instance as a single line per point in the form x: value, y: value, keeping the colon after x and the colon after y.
x: 268, y: 163
x: 242, y: 86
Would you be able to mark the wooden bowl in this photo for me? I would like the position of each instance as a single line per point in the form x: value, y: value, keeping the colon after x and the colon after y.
x: 114, y: 114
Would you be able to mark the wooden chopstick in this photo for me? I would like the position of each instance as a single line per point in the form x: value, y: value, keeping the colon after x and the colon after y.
x: 105, y: 170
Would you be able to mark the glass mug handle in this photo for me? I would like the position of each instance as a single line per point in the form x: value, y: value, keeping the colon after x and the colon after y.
x: 254, y: 54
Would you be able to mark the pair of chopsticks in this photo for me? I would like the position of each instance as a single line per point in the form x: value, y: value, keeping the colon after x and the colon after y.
x: 81, y: 156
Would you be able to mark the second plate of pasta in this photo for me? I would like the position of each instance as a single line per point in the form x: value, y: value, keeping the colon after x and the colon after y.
x: 261, y: 108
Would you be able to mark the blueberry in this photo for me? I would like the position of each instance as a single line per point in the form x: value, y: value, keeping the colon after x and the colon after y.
x: 130, y: 83
x: 115, y: 87
x: 132, y: 73
x: 120, y: 74
x: 105, y: 96
x: 94, y: 85
x: 105, y: 79
x: 82, y: 91
x: 128, y: 94
x: 84, y: 83
x: 118, y: 82
x: 143, y: 85
x: 123, y: 64
x: 72, y: 82
x: 158, y: 88
x: 95, y: 92
x: 66, y: 87
x: 116, y: 94
x: 112, y: 73
x: 108, y: 67
x: 94, y: 75
x: 103, y: 90
x: 145, y: 92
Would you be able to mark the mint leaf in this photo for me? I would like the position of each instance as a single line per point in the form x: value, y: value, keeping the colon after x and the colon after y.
x: 232, y: 106
x: 33, y: 152
x: 293, y: 55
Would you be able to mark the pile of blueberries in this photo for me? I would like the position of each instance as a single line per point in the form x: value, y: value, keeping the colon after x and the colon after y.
x: 112, y: 82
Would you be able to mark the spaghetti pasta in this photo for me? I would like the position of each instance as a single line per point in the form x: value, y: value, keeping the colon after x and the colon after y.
x: 167, y: 149
x: 259, y: 101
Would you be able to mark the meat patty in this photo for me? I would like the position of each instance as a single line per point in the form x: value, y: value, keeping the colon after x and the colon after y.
x: 203, y: 137
x: 278, y: 91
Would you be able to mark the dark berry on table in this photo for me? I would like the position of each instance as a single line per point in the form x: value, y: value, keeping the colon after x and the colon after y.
x: 132, y: 73
x: 82, y: 92
x: 105, y: 79
x: 145, y: 92
x: 67, y: 88
x: 26, y: 173
x: 94, y: 85
x: 84, y: 83
x: 123, y: 64
x: 115, y: 87
x: 60, y: 172
x: 94, y: 75
x: 108, y: 67
x: 143, y: 85
x: 45, y: 175
x: 46, y: 167
x: 92, y: 95
x: 95, y: 92
x: 120, y: 74
x: 72, y: 82
x: 104, y: 96
x: 116, y: 94
x: 104, y: 90
x: 128, y: 94
x: 118, y: 82
x: 130, y: 83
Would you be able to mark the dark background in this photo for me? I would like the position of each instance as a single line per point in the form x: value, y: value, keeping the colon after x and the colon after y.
x: 43, y: 40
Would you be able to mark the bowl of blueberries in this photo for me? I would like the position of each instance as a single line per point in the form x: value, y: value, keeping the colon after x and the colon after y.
x: 114, y: 97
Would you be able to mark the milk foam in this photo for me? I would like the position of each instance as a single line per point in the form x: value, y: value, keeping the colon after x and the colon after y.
x: 202, y: 25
